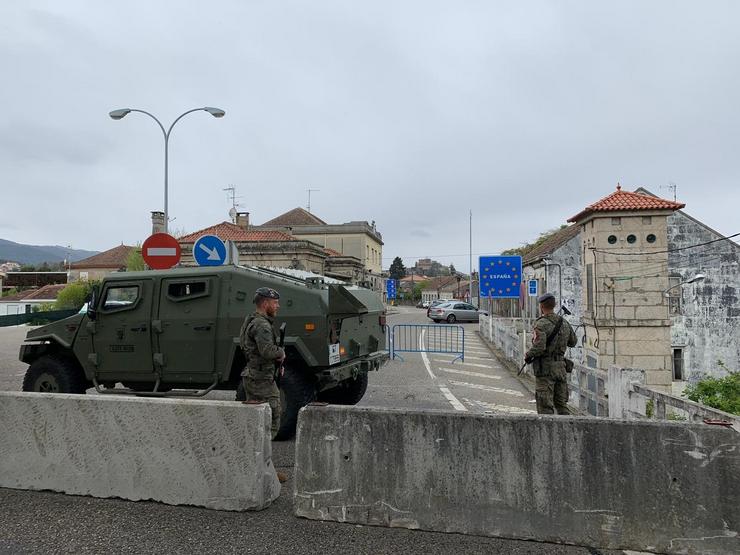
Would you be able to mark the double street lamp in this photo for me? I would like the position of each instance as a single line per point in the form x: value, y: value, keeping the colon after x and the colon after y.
x: 123, y: 112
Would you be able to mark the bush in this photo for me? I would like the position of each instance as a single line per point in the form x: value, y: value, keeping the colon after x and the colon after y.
x: 73, y: 296
x: 719, y: 393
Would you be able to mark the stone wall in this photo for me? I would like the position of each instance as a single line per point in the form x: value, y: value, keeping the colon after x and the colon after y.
x: 708, y: 326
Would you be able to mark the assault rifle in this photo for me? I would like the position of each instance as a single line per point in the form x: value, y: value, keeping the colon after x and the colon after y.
x: 563, y: 310
x: 279, y: 369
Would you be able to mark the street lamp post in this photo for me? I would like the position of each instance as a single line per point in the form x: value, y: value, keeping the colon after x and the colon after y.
x: 697, y: 277
x: 123, y: 112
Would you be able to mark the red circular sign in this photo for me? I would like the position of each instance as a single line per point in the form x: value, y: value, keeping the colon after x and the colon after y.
x: 161, y: 251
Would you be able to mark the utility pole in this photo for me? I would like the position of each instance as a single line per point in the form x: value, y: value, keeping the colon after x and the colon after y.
x: 470, y: 283
x: 309, y: 197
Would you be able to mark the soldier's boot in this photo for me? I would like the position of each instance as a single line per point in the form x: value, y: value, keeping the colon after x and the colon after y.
x: 282, y: 477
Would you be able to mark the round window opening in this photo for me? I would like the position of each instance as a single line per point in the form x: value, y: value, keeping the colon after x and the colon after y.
x: 612, y: 239
x: 651, y: 238
x: 631, y: 239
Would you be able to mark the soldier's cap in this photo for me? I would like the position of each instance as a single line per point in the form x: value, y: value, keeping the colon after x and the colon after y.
x: 545, y: 297
x: 265, y: 293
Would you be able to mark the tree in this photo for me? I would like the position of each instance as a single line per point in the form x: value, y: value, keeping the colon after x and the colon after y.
x: 74, y: 295
x: 135, y: 261
x: 397, y: 269
x: 720, y: 393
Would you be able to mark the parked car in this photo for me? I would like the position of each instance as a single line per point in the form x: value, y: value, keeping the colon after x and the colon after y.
x: 435, y: 303
x: 454, y: 311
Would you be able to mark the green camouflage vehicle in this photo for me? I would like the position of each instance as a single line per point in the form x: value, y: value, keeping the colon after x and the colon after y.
x: 176, y: 333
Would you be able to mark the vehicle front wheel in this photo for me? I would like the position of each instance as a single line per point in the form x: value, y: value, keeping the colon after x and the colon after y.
x: 55, y: 374
x: 451, y: 319
x: 349, y: 392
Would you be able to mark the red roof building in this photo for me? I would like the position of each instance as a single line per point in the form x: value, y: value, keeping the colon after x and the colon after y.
x: 625, y: 201
x: 226, y: 231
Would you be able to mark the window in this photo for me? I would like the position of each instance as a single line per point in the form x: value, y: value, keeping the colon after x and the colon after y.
x: 678, y: 364
x: 460, y: 307
x: 650, y: 238
x: 590, y: 287
x: 84, y: 276
x: 612, y: 239
x: 616, y: 221
x: 647, y: 220
x: 118, y: 297
x: 674, y: 295
x: 631, y: 239
x: 187, y: 289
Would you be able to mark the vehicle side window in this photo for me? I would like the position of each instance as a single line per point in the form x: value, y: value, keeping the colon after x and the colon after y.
x: 460, y: 307
x: 186, y: 290
x: 469, y: 307
x: 120, y: 297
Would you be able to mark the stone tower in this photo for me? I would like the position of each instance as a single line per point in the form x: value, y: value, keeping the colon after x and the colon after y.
x: 624, y: 274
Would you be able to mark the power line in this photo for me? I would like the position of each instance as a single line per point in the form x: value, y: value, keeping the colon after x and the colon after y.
x: 665, y: 251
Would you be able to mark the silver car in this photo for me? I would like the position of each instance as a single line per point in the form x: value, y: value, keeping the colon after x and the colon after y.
x: 454, y: 311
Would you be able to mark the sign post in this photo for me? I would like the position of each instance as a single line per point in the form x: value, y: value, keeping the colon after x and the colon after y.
x: 161, y: 251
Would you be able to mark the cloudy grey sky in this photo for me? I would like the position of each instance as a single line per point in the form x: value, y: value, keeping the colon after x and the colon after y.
x: 406, y: 113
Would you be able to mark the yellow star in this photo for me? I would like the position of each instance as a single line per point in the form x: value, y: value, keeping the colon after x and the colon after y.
x: 507, y: 262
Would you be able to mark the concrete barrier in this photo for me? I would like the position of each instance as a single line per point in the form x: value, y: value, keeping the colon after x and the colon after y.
x: 213, y: 454
x: 659, y: 486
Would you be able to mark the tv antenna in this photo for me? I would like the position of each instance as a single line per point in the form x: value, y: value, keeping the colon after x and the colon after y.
x: 672, y: 186
x: 309, y: 197
x: 234, y: 205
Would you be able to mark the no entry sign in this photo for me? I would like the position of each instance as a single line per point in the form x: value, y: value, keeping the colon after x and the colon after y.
x: 161, y: 251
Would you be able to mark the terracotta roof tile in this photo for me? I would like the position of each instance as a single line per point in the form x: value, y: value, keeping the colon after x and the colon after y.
x: 332, y: 252
x: 45, y: 293
x: 624, y: 201
x: 226, y: 231
x: 112, y: 258
x: 297, y: 216
x: 549, y: 245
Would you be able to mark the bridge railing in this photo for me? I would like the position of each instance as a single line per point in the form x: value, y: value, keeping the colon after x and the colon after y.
x: 35, y: 317
x: 427, y: 338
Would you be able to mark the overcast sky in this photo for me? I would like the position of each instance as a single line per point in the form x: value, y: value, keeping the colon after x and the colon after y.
x: 406, y: 113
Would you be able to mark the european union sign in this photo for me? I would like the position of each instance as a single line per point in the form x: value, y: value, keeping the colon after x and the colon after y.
x: 391, y: 288
x: 500, y: 276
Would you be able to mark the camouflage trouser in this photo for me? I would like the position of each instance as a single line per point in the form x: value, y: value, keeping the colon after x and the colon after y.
x: 551, y: 392
x: 264, y: 390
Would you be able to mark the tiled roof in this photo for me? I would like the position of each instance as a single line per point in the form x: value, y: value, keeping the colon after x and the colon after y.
x: 45, y: 293
x: 297, y: 216
x: 226, y: 231
x: 112, y: 258
x: 332, y: 252
x: 549, y: 245
x: 624, y: 201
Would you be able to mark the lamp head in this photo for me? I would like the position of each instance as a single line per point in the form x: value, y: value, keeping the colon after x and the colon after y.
x: 215, y: 112
x: 697, y: 277
x: 120, y: 113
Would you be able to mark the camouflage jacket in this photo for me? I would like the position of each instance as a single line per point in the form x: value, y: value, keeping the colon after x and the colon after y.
x: 259, y: 341
x: 549, y: 357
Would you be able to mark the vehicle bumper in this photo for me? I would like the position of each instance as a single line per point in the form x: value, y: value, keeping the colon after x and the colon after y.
x: 330, y: 377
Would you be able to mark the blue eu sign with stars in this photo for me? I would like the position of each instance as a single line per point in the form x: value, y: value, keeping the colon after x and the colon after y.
x: 209, y: 250
x: 500, y: 276
x: 391, y: 288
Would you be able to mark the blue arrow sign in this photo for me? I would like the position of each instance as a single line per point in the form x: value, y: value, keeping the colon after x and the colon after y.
x: 500, y: 276
x: 391, y: 288
x: 209, y: 250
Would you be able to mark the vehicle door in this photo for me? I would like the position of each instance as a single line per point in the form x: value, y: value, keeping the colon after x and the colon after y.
x: 471, y: 313
x: 458, y: 309
x: 122, y: 340
x: 187, y: 319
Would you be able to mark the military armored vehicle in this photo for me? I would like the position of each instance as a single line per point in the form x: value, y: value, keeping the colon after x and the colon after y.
x: 176, y: 332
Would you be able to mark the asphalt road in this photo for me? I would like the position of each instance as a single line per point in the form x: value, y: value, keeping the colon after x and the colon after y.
x: 46, y: 522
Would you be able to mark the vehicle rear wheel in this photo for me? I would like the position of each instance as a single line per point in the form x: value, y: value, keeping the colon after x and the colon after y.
x: 349, y: 392
x: 451, y: 319
x: 297, y: 389
x: 54, y: 374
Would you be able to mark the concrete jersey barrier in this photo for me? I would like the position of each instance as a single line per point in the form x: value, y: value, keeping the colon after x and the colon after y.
x: 659, y: 486
x: 213, y: 454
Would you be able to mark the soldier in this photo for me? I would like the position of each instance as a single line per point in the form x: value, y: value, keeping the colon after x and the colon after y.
x: 552, y: 334
x: 260, y: 345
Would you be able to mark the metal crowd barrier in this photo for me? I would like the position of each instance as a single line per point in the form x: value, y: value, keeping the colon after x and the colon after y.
x: 427, y: 338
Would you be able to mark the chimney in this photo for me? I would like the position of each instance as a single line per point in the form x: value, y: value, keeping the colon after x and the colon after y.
x: 157, y: 222
x: 242, y: 220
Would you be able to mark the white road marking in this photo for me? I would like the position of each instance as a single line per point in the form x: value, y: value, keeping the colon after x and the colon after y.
x: 467, y: 373
x: 466, y: 363
x: 466, y: 357
x: 457, y: 405
x: 498, y: 408
x: 488, y: 388
x: 452, y: 399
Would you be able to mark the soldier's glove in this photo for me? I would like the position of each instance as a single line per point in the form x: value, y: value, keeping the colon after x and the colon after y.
x: 528, y: 359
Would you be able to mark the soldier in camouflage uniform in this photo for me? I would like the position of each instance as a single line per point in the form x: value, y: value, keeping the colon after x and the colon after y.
x: 264, y: 357
x: 548, y: 361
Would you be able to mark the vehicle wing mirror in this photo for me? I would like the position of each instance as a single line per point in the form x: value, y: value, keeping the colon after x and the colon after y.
x: 92, y: 302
